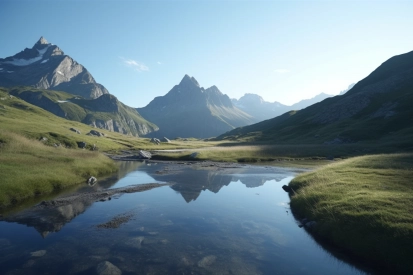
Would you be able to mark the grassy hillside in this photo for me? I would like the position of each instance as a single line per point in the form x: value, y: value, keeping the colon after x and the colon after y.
x: 364, y: 205
x: 30, y: 121
x: 297, y: 127
x: 377, y: 109
x: 104, y: 112
x: 28, y: 168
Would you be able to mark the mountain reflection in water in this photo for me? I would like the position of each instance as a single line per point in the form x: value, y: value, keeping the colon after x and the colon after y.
x: 189, y: 182
x: 47, y: 220
x: 233, y: 219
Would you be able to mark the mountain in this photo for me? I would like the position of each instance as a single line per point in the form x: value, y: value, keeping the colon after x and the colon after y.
x: 105, y: 112
x: 377, y: 108
x: 45, y: 66
x: 189, y: 110
x: 44, y: 76
x: 260, y: 110
x: 308, y: 102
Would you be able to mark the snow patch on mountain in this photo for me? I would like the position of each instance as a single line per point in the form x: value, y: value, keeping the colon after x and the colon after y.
x: 43, y: 51
x: 24, y: 62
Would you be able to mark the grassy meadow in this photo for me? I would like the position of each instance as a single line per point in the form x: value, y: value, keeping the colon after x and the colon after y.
x: 261, y: 152
x: 364, y: 205
x: 29, y: 168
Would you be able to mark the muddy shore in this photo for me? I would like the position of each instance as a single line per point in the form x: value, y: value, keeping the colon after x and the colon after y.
x: 100, y: 195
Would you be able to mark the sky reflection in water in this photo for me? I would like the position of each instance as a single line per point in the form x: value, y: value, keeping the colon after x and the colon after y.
x: 228, y: 221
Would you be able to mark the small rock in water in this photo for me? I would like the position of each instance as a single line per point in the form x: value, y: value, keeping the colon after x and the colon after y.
x: 107, y: 268
x: 136, y: 242
x: 207, y: 261
x: 39, y: 253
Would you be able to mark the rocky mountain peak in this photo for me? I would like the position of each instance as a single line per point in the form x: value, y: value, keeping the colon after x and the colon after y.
x: 214, y: 89
x: 41, y: 44
x: 252, y: 99
x: 45, y: 66
x: 216, y: 97
x: 189, y: 81
x: 42, y: 41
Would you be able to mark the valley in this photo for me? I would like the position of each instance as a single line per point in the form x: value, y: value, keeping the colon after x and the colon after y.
x: 347, y: 159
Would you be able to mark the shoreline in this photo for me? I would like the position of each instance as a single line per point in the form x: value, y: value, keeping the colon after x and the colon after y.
x: 362, y: 206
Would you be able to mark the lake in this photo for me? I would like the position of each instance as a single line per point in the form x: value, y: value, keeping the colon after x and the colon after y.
x: 212, y: 219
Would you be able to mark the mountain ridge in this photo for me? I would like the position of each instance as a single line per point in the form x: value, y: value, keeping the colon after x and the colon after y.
x: 105, y: 112
x: 377, y: 108
x: 259, y: 109
x: 189, y: 110
x: 45, y: 66
x: 42, y: 74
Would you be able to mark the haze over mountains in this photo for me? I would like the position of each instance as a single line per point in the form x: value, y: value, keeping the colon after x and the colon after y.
x: 189, y: 110
x: 260, y: 109
x: 374, y: 107
x: 379, y: 107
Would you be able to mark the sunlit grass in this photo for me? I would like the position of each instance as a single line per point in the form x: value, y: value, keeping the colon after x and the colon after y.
x: 231, y: 152
x: 29, y: 168
x: 363, y: 204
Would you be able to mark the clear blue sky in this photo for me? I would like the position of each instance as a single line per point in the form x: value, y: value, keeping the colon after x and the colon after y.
x: 284, y: 51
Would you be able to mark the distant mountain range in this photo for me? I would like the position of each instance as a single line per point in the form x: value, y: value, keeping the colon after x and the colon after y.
x: 189, y: 110
x: 379, y: 107
x: 260, y: 110
x: 48, y: 78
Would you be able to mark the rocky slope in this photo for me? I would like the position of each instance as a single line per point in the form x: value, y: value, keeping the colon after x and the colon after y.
x: 105, y: 112
x: 42, y: 74
x: 378, y: 108
x: 189, y: 110
x: 45, y: 66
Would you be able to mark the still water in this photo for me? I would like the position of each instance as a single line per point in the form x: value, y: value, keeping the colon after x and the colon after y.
x: 212, y: 220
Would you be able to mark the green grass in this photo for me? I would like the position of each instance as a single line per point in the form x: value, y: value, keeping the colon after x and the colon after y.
x: 364, y: 205
x: 28, y: 120
x: 244, y: 152
x: 28, y: 168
